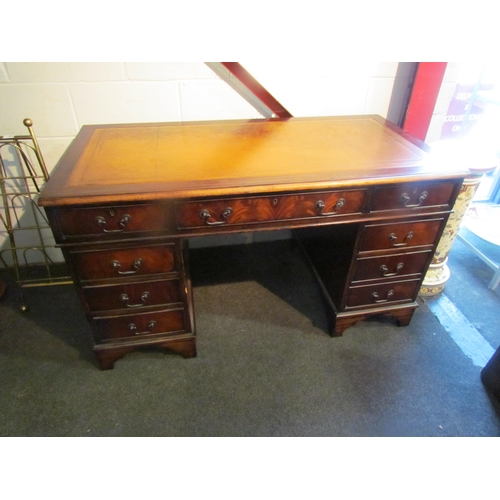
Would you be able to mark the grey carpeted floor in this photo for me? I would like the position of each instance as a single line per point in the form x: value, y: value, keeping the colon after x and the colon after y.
x: 265, y: 365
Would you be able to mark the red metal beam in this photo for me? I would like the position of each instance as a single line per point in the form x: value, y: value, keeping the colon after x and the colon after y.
x: 245, y: 78
x: 423, y: 98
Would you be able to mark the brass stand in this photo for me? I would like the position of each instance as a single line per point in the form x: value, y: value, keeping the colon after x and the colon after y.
x: 27, y: 228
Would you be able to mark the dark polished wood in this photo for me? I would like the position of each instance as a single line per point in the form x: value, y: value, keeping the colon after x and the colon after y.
x: 435, y: 195
x: 490, y: 374
x: 251, y: 210
x: 107, y: 357
x: 390, y: 267
x: 366, y: 201
x: 397, y: 235
x: 402, y: 315
x: 96, y: 263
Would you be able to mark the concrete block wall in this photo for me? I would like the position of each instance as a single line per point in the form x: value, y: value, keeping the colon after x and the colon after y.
x: 329, y: 88
x: 61, y: 97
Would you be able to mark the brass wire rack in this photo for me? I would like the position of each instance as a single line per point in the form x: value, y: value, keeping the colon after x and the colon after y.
x: 28, y: 247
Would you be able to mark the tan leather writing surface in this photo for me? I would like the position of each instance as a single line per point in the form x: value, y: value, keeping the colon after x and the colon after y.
x: 227, y: 157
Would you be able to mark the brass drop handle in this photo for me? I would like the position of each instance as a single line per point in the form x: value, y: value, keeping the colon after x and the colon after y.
x: 151, y: 326
x: 320, y: 206
x: 205, y: 215
x: 393, y: 238
x: 123, y: 222
x: 377, y: 298
x: 405, y: 198
x: 136, y: 265
x: 144, y: 298
x: 385, y: 270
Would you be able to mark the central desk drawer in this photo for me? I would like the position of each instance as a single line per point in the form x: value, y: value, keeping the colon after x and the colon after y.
x: 133, y: 296
x: 269, y: 208
x: 400, y: 235
x: 124, y: 262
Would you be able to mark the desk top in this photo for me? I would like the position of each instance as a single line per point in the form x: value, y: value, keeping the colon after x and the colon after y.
x: 135, y: 162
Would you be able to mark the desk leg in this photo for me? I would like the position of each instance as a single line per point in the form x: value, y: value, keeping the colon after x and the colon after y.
x: 344, y: 320
x: 107, y: 356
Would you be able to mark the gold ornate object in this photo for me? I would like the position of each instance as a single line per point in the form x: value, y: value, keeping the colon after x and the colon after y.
x: 28, y: 247
x: 438, y: 273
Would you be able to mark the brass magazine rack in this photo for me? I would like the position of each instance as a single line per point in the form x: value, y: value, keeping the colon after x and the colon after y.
x: 26, y: 244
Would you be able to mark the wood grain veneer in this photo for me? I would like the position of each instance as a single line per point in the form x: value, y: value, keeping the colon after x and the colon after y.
x: 367, y: 202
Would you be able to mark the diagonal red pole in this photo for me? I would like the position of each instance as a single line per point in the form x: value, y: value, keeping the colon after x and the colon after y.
x: 246, y: 79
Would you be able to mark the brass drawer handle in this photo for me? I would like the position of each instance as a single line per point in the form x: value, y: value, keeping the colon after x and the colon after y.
x: 320, y: 206
x: 377, y: 298
x: 151, y: 326
x: 205, y: 214
x: 123, y: 222
x: 136, y: 265
x: 144, y: 297
x: 405, y: 198
x: 385, y: 270
x: 392, y: 237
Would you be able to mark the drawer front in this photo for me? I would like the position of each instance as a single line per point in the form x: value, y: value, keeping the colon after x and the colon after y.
x: 133, y: 296
x: 391, y: 266
x: 107, y: 222
x: 269, y: 208
x: 400, y: 235
x: 139, y: 326
x: 413, y: 195
x: 382, y: 294
x: 124, y: 262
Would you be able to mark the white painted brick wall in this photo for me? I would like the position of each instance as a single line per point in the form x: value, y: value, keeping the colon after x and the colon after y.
x: 59, y: 72
x: 329, y: 88
x: 62, y: 97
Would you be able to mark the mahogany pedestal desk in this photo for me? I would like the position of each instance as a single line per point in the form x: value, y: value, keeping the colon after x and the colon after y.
x: 366, y: 201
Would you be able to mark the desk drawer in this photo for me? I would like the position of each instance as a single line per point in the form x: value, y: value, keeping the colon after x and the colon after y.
x: 269, y: 208
x: 414, y: 195
x: 124, y: 262
x: 133, y: 296
x: 391, y: 266
x: 382, y: 294
x: 139, y: 326
x: 400, y: 235
x: 111, y: 221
